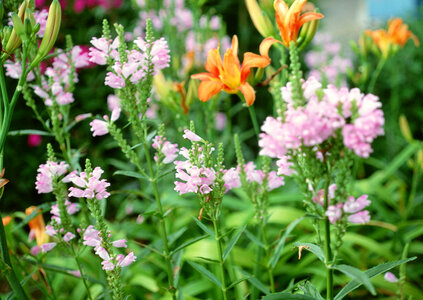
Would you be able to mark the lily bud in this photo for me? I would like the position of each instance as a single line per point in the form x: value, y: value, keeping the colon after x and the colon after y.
x: 192, y: 92
x: 52, y: 30
x: 307, y: 33
x: 405, y: 129
x: 260, y: 20
x: 14, y: 41
x: 18, y: 25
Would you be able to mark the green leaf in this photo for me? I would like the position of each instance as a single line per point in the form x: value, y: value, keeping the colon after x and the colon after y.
x: 352, y: 285
x: 310, y: 290
x: 44, y: 207
x: 287, y: 296
x: 254, y: 239
x: 279, y: 247
x: 237, y: 281
x: 313, y: 248
x: 203, y: 227
x: 206, y: 273
x: 232, y: 242
x: 29, y: 131
x: 128, y: 174
x: 358, y: 275
x: 208, y: 260
x: 190, y: 242
x: 254, y: 281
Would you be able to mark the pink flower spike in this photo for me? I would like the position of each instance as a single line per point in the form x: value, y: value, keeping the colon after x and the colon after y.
x: 47, y: 247
x: 189, y: 135
x: 120, y: 243
x: 390, y: 277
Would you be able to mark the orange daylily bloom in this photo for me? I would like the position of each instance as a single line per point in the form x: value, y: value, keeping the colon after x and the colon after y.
x: 3, y: 181
x: 290, y: 19
x: 229, y: 75
x: 6, y: 220
x: 397, y: 34
x: 37, y: 227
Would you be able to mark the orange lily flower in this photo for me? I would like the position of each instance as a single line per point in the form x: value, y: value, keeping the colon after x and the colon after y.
x: 6, y: 220
x: 37, y: 227
x: 229, y: 75
x: 397, y: 34
x: 290, y: 19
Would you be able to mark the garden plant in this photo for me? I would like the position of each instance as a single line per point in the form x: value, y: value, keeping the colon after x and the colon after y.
x: 146, y: 154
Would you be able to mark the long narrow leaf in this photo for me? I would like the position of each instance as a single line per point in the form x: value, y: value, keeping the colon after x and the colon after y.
x: 206, y: 273
x: 190, y: 242
x: 312, y: 248
x: 279, y: 247
x: 232, y: 242
x: 352, y: 285
x: 255, y: 282
x: 203, y: 227
x: 254, y: 239
x: 358, y: 275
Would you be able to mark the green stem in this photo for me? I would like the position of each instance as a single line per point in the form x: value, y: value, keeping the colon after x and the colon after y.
x: 253, y: 116
x: 329, y: 270
x: 167, y: 254
x: 10, y: 275
x: 376, y: 74
x: 266, y: 249
x: 414, y: 185
x: 218, y: 238
x: 82, y: 273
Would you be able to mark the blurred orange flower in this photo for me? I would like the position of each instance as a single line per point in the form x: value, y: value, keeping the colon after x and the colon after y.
x: 290, y: 19
x: 3, y: 181
x: 37, y: 227
x: 229, y: 75
x: 397, y: 35
x: 6, y: 220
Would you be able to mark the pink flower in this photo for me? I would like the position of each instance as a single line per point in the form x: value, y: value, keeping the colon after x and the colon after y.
x: 231, y: 178
x: 92, y: 237
x: 120, y: 243
x: 68, y: 236
x: 360, y: 217
x: 220, y: 121
x: 285, y: 166
x: 35, y: 250
x: 127, y: 260
x: 353, y: 206
x: 34, y: 140
x: 91, y: 187
x: 47, y: 247
x: 99, y: 127
x: 50, y: 230
x: 189, y: 135
x: 334, y: 213
x: 114, y: 81
x: 390, y: 277
x: 46, y: 173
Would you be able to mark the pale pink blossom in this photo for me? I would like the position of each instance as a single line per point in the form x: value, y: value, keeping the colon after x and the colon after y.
x: 47, y: 247
x: 46, y: 173
x: 355, y: 205
x: 68, y: 236
x: 334, y: 212
x: 360, y: 217
x: 99, y: 127
x: 189, y: 135
x: 390, y: 277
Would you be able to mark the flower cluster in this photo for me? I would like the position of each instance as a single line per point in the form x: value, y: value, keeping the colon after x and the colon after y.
x: 89, y: 185
x: 197, y: 175
x: 100, y: 127
x: 58, y: 80
x: 169, y: 150
x: 46, y: 173
x: 326, y: 114
x: 134, y: 69
x: 326, y: 61
x: 71, y: 208
x: 252, y: 175
x: 92, y: 238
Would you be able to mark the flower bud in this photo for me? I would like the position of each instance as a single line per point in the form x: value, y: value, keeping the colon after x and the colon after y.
x: 52, y: 30
x: 307, y: 34
x: 192, y: 92
x: 161, y: 86
x: 14, y: 40
x: 18, y: 25
x: 260, y: 20
x: 405, y: 129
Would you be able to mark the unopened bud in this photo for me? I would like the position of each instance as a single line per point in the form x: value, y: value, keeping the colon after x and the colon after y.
x: 260, y: 20
x: 405, y: 128
x: 14, y: 40
x: 18, y: 25
x: 52, y: 30
x: 28, y: 27
x: 192, y: 92
x: 307, y: 33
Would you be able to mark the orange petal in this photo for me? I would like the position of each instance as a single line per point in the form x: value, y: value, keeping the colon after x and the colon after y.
x: 248, y: 92
x: 204, y: 76
x: 252, y: 60
x: 208, y: 89
x: 214, y: 62
x: 266, y: 44
x: 234, y: 46
x: 231, y: 76
x: 6, y: 220
x: 309, y: 16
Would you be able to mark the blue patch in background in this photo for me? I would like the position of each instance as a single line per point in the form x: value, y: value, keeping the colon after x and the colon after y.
x: 385, y: 9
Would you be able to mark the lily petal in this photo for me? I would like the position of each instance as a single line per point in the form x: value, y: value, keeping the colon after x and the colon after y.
x: 209, y: 88
x: 266, y: 44
x: 248, y: 92
x: 214, y: 62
